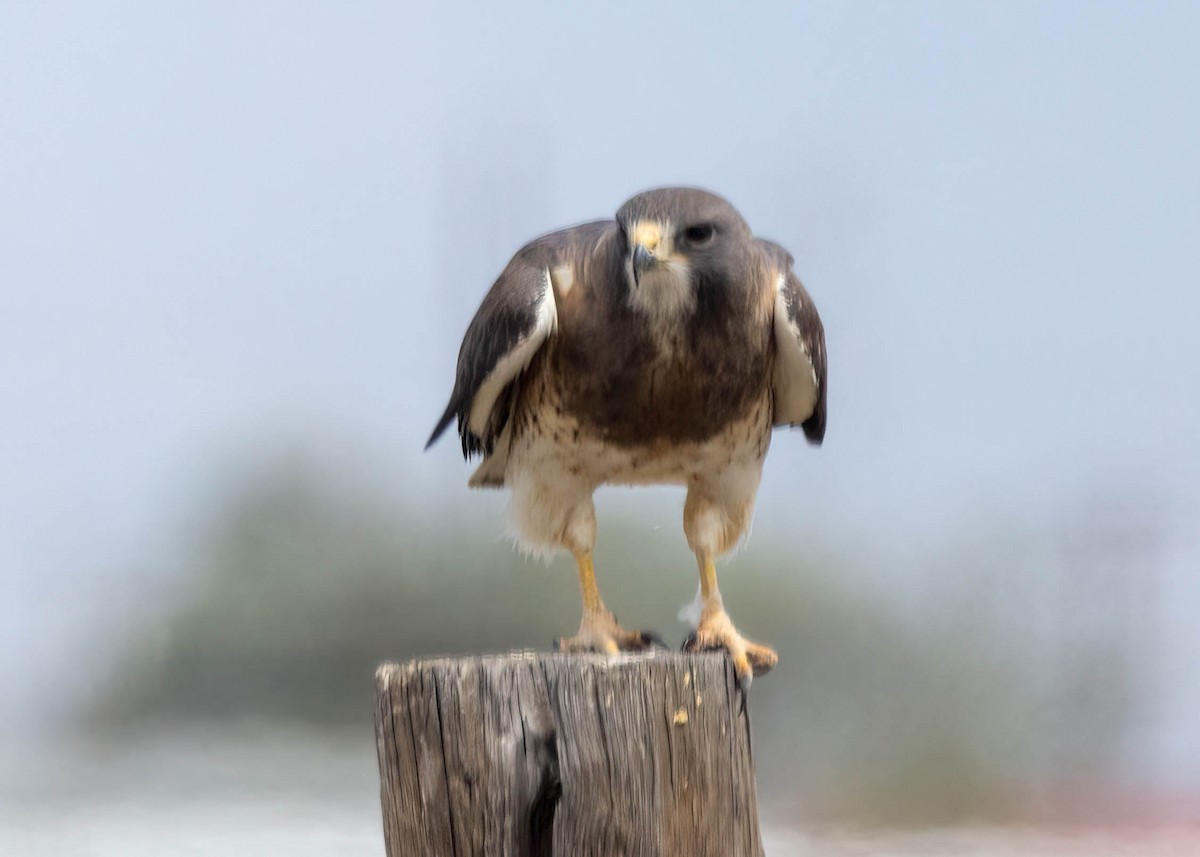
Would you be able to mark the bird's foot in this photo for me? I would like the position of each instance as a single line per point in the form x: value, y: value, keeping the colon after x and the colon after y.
x: 599, y: 632
x: 716, y: 631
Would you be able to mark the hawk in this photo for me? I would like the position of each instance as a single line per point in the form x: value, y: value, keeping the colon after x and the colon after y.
x: 660, y: 347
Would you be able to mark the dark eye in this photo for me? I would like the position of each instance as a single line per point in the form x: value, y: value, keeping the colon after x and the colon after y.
x: 699, y: 234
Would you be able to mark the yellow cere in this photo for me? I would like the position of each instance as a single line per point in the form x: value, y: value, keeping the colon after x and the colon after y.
x: 647, y: 233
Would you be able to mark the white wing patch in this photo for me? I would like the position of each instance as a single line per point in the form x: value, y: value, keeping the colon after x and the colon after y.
x: 563, y: 280
x: 795, y: 378
x: 515, y: 361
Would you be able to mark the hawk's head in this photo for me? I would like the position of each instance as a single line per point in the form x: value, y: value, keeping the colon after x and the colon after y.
x: 680, y: 245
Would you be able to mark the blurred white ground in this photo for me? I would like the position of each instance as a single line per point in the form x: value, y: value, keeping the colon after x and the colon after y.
x: 301, y: 794
x: 990, y: 842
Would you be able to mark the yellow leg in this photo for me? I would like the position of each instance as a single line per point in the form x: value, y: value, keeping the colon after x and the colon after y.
x: 587, y: 582
x: 708, y: 577
x: 598, y: 630
x: 716, y: 630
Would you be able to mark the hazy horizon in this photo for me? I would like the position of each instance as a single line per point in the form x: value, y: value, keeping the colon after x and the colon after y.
x: 230, y: 230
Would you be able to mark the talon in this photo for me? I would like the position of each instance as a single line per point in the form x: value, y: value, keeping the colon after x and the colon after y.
x: 693, y: 643
x: 599, y: 632
x: 652, y: 640
x: 744, y: 683
x: 762, y: 659
x: 717, y: 632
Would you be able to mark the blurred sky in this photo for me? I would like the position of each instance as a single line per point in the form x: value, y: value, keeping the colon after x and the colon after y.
x: 233, y: 226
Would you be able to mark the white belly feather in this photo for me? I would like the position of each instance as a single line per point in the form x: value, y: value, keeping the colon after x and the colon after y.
x: 554, y: 465
x: 557, y: 442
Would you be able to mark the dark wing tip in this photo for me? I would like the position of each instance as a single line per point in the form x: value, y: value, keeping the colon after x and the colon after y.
x: 814, y: 428
x: 442, y: 425
x: 471, y: 445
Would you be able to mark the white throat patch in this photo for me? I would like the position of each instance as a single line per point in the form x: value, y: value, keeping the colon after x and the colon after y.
x: 664, y: 292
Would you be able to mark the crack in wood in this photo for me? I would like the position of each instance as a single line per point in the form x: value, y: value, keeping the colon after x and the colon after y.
x: 548, y: 755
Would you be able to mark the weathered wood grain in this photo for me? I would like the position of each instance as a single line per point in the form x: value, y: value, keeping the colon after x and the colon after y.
x: 549, y: 755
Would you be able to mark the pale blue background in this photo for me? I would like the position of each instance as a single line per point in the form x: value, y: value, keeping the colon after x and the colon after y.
x: 226, y: 227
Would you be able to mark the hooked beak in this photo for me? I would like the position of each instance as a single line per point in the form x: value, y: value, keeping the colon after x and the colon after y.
x: 646, y: 237
x: 643, y: 260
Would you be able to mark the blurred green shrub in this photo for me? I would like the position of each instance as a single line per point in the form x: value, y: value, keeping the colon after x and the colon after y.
x: 306, y: 579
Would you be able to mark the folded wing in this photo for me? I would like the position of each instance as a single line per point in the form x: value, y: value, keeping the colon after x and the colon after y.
x: 799, y: 381
x: 513, y: 322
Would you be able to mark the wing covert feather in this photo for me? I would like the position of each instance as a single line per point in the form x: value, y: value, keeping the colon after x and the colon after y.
x: 516, y: 317
x: 800, y: 382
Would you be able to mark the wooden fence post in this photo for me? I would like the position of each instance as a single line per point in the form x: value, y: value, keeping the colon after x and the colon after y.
x: 551, y: 755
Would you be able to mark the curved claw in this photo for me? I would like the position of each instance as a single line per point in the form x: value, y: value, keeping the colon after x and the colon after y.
x: 691, y: 643
x: 749, y: 659
x: 653, y: 640
x: 601, y: 633
x: 744, y: 683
